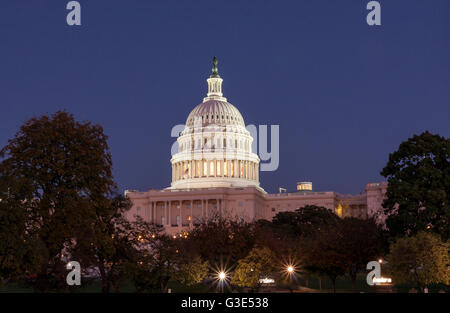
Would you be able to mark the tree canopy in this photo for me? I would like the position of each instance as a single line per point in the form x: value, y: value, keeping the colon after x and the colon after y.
x: 56, y: 172
x: 422, y: 259
x: 418, y: 192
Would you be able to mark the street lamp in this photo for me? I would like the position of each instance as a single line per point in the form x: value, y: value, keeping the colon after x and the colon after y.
x: 222, y: 277
x: 290, y: 269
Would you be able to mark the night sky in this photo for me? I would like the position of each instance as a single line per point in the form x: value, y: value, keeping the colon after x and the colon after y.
x: 344, y: 94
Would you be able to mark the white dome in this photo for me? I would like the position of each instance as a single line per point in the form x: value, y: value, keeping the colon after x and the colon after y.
x: 215, y: 148
x: 215, y: 112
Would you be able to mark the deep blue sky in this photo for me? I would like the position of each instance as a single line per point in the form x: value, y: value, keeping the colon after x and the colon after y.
x: 344, y: 94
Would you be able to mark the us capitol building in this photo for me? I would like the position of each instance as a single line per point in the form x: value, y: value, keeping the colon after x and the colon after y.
x: 215, y: 172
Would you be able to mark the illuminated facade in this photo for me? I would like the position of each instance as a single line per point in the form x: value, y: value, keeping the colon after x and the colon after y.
x: 215, y: 171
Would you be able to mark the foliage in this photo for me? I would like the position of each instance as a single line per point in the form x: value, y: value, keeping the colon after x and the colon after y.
x: 61, y: 170
x: 323, y: 253
x: 192, y: 271
x: 259, y: 263
x: 422, y: 259
x: 362, y: 242
x: 219, y: 239
x: 418, y: 196
x: 305, y: 221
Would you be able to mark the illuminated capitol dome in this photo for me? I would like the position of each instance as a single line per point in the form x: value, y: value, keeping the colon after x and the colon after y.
x: 215, y: 148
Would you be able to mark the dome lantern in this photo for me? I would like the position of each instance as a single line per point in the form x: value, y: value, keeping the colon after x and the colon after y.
x: 214, y: 84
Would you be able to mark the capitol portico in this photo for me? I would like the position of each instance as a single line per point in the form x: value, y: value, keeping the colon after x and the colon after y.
x: 215, y: 171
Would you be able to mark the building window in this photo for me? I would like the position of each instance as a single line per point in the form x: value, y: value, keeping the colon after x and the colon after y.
x: 211, y: 168
x: 188, y: 206
x: 225, y: 168
x: 205, y: 167
x: 163, y: 219
x: 218, y: 169
x: 178, y: 220
x: 273, y: 209
x: 138, y: 208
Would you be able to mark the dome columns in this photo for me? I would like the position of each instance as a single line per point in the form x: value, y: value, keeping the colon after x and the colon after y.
x: 215, y: 168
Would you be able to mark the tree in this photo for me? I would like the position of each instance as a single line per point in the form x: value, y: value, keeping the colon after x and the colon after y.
x: 278, y: 238
x: 323, y: 253
x: 191, y: 271
x: 307, y: 220
x: 111, y: 243
x: 259, y: 263
x: 362, y: 242
x: 218, y: 239
x: 418, y: 196
x: 19, y: 247
x: 61, y: 169
x: 422, y: 259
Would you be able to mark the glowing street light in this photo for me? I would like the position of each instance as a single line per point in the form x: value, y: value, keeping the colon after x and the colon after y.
x: 222, y: 279
x: 290, y: 269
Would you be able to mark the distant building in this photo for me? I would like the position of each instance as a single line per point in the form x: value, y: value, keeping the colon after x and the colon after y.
x: 215, y: 171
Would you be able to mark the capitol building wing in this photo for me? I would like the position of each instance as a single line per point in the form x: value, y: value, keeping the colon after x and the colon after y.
x: 215, y: 171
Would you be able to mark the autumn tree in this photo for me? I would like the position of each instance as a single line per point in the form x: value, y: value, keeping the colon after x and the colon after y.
x: 191, y: 271
x: 259, y: 263
x: 61, y: 169
x: 418, y: 196
x: 422, y: 259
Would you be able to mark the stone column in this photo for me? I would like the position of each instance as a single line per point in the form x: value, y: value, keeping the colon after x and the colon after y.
x: 153, y: 212
x: 257, y: 172
x: 181, y: 217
